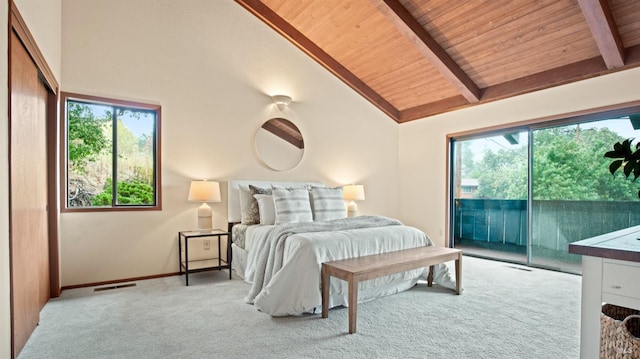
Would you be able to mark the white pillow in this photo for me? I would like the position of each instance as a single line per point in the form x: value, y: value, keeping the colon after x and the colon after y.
x: 327, y: 203
x: 292, y: 205
x: 266, y: 208
x: 245, y: 204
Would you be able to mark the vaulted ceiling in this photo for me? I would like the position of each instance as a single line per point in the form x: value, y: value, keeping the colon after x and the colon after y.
x: 417, y: 58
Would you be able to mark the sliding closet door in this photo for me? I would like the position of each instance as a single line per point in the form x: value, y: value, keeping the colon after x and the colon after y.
x: 30, y: 276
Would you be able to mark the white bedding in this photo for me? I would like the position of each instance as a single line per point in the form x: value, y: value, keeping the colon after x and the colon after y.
x: 253, y: 234
x: 294, y: 286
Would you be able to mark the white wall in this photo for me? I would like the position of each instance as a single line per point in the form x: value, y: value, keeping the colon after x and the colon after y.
x: 422, y: 151
x: 5, y: 295
x: 44, y: 22
x: 212, y: 66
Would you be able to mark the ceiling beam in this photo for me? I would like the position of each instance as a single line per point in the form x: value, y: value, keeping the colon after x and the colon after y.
x: 540, y: 81
x: 559, y: 76
x: 604, y: 31
x: 285, y: 29
x: 402, y: 19
x: 434, y: 108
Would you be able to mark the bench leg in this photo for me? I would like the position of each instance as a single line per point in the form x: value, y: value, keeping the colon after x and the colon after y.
x: 430, y: 277
x: 325, y: 278
x: 458, y: 274
x: 353, y: 305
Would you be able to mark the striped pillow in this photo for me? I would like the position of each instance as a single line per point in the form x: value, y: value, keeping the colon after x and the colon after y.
x: 327, y: 203
x: 292, y: 205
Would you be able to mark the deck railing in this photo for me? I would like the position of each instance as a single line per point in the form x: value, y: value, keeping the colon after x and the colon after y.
x: 555, y: 225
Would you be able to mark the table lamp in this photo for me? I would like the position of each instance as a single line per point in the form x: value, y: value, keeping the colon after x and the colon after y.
x: 204, y: 191
x: 353, y: 193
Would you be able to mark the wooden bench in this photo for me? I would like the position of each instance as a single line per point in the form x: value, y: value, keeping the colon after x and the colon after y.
x: 355, y: 270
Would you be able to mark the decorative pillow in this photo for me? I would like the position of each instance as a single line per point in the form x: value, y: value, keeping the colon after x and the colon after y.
x: 327, y: 203
x: 253, y: 207
x: 292, y: 205
x: 245, y: 205
x: 238, y: 234
x: 266, y: 208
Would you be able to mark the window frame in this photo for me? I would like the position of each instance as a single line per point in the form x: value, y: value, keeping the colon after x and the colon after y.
x: 64, y: 165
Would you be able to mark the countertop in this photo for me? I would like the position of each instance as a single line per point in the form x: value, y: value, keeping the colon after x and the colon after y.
x: 623, y: 245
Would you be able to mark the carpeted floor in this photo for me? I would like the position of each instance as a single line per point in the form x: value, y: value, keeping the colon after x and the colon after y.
x: 505, y: 311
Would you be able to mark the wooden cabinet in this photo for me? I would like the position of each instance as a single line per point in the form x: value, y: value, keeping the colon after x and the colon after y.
x: 621, y: 283
x: 610, y: 272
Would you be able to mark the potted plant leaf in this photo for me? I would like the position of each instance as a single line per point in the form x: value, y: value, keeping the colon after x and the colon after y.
x: 626, y: 156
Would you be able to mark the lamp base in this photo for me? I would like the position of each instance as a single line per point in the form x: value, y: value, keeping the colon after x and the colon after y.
x: 352, y: 209
x: 204, y: 218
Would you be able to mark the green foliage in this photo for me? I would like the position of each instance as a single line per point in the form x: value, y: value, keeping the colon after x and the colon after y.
x: 85, y: 135
x: 502, y: 174
x: 145, y: 144
x: 629, y: 159
x: 567, y: 165
x: 128, y: 145
x: 131, y: 192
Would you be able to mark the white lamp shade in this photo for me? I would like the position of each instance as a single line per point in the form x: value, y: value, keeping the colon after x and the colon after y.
x: 204, y: 191
x: 354, y: 192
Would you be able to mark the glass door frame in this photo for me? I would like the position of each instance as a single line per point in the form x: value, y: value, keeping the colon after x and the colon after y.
x: 601, y: 113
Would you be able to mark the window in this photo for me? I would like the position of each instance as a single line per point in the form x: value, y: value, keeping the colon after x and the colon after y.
x: 112, y: 154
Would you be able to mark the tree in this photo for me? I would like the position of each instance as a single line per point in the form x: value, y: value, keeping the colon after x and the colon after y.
x: 86, y: 138
x: 502, y: 174
x: 567, y: 165
x: 128, y: 144
x: 467, y: 162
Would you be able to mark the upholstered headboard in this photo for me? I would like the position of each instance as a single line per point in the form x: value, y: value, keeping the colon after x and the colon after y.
x: 233, y: 193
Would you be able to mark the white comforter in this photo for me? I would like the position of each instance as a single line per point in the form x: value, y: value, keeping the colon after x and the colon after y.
x: 285, y: 276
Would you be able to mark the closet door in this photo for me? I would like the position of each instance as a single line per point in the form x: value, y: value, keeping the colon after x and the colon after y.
x: 30, y: 278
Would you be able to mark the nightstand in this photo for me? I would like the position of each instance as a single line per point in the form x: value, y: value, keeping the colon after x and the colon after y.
x: 217, y: 259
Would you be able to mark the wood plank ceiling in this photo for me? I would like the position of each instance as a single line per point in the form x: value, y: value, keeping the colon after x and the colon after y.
x: 417, y: 58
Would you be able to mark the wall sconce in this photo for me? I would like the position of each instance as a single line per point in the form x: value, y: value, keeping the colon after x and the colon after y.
x: 204, y: 191
x: 353, y: 193
x: 281, y: 101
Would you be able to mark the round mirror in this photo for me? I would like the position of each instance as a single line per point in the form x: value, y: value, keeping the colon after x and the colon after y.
x: 279, y: 144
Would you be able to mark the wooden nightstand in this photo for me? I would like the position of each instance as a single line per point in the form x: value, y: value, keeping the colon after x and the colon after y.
x: 219, y: 261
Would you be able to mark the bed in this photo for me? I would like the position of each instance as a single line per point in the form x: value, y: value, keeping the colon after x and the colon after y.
x: 281, y: 255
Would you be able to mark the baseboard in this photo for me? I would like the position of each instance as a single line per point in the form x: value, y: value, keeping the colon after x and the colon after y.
x: 75, y: 286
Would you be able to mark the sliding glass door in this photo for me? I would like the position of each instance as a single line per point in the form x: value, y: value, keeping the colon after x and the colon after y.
x: 574, y: 195
x: 490, y: 196
x: 524, y: 195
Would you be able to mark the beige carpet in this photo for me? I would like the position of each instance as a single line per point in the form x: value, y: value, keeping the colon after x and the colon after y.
x: 505, y: 311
